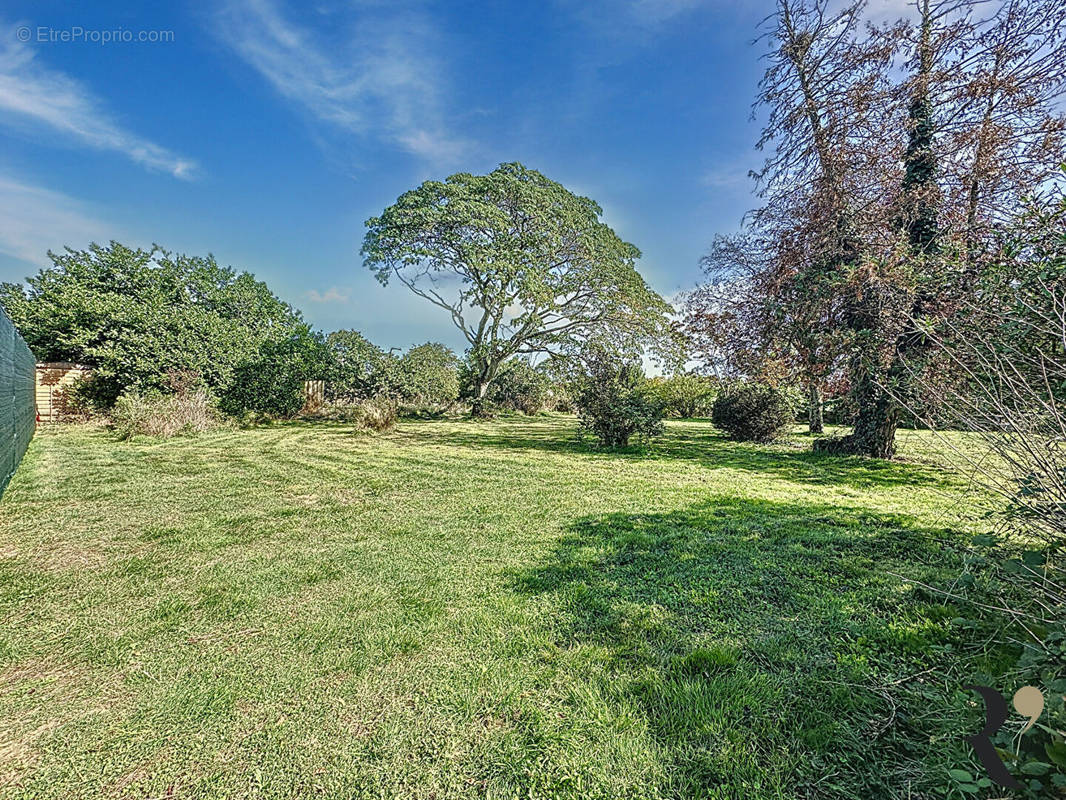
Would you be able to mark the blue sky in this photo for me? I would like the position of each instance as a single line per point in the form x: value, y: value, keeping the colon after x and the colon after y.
x: 267, y: 133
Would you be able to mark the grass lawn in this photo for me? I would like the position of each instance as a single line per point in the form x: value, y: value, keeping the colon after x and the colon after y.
x: 460, y: 609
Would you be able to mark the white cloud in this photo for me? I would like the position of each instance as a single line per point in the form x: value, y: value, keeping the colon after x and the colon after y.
x: 31, y: 91
x: 381, y: 79
x: 34, y: 220
x: 332, y: 295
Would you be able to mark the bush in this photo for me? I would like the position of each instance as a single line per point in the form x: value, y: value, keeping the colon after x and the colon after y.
x: 684, y: 396
x: 613, y: 403
x: 357, y: 368
x: 135, y: 315
x: 753, y: 412
x: 164, y: 414
x: 272, y: 384
x: 519, y: 387
x: 1003, y: 347
x: 427, y: 378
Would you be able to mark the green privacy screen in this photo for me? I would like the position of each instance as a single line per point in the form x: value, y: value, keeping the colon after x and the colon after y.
x: 18, y: 415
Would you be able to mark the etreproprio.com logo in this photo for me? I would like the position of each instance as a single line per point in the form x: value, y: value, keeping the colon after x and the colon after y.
x: 76, y: 34
x: 1027, y: 701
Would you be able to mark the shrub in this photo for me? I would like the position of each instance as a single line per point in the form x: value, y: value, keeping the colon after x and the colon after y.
x: 1004, y: 348
x: 753, y: 412
x: 684, y: 395
x: 612, y: 401
x: 560, y: 398
x: 427, y: 378
x: 157, y: 414
x: 357, y: 368
x: 519, y: 387
x: 272, y: 384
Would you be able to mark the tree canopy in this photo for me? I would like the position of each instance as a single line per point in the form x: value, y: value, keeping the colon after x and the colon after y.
x: 521, y: 264
x: 892, y: 149
x: 138, y: 315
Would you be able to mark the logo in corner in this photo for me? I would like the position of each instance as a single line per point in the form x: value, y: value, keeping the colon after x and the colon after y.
x: 1028, y: 701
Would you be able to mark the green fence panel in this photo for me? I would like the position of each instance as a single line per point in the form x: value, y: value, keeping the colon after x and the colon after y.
x: 18, y: 411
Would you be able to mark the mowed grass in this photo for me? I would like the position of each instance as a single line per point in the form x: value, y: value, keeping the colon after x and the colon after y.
x: 459, y: 609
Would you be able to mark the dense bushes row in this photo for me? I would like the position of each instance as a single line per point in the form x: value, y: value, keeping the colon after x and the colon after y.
x: 136, y: 316
x: 616, y: 402
x: 685, y: 396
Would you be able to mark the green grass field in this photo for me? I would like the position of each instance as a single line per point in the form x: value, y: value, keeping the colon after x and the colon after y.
x: 460, y: 609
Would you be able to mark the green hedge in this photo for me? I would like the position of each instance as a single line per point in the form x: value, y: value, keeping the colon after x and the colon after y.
x: 18, y: 408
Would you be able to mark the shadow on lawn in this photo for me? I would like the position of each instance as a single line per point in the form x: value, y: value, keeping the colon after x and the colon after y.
x: 709, y: 448
x: 752, y: 637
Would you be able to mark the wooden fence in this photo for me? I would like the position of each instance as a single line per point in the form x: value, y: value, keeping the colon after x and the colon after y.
x: 314, y: 395
x: 53, y: 380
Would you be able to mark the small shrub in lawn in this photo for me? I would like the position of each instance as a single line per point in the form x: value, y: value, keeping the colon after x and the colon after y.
x: 753, y: 412
x: 188, y: 412
x: 612, y: 402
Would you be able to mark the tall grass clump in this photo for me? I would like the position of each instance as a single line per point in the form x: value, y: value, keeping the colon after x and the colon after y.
x: 378, y: 413
x: 164, y: 414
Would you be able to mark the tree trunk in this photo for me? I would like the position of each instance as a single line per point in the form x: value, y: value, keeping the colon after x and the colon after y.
x: 479, y: 408
x: 874, y: 432
x: 814, y: 410
x: 883, y: 326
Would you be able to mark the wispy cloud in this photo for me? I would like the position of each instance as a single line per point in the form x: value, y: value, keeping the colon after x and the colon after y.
x: 34, y: 220
x: 333, y: 294
x: 380, y: 80
x: 30, y: 91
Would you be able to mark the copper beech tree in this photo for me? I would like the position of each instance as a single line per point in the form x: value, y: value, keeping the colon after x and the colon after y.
x: 521, y: 265
x: 893, y: 149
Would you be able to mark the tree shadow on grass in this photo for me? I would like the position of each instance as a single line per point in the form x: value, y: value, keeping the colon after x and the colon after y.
x: 707, y: 447
x: 756, y: 640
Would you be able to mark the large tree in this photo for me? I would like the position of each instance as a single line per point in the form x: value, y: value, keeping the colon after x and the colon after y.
x: 521, y: 265
x: 888, y: 172
x: 772, y: 307
x: 982, y: 129
x: 769, y: 313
